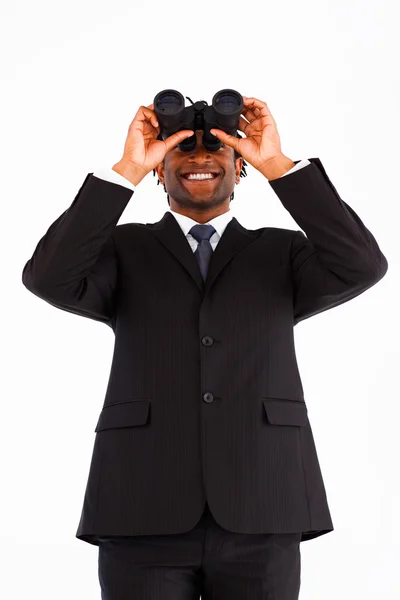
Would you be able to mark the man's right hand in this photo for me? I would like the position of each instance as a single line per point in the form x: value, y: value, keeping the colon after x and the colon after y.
x: 142, y: 151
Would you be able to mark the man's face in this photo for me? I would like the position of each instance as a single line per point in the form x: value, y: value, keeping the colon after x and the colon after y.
x: 199, y: 193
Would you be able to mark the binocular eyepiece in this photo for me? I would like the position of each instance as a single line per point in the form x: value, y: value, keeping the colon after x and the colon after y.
x: 173, y: 116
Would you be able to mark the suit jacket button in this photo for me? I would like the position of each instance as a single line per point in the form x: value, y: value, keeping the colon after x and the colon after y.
x: 208, y: 397
x: 207, y: 340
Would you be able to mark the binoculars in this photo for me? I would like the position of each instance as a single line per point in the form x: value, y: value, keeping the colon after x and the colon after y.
x: 173, y: 116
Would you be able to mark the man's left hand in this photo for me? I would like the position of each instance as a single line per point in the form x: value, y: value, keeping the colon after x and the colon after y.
x: 262, y: 142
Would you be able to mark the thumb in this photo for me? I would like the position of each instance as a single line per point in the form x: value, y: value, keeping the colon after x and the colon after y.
x: 225, y: 138
x: 176, y: 138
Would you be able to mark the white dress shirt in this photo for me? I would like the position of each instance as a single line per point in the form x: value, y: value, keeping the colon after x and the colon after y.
x: 186, y: 223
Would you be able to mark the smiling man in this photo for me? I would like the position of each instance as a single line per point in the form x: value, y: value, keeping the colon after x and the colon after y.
x: 204, y: 477
x: 200, y: 183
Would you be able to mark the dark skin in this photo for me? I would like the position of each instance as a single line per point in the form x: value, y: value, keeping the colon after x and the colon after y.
x: 197, y: 200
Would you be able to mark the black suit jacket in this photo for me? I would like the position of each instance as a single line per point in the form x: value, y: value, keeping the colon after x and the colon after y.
x: 204, y: 399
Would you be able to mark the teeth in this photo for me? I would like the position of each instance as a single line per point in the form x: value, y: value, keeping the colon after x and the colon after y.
x: 200, y: 176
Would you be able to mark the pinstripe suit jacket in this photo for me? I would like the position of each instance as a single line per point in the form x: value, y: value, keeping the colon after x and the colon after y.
x: 204, y: 399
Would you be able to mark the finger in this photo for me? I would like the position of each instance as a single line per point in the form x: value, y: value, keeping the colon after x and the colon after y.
x: 225, y: 138
x: 176, y: 138
x: 145, y: 111
x: 249, y: 114
x: 152, y: 116
x: 146, y: 114
x: 250, y: 111
x: 254, y: 103
x: 254, y: 127
x: 151, y: 107
x: 244, y: 126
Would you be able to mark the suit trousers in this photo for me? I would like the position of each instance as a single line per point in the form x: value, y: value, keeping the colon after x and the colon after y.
x: 207, y: 562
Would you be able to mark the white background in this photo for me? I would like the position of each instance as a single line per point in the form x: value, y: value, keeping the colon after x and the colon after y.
x: 73, y: 76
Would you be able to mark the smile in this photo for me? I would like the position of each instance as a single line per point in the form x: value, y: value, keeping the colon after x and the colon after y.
x: 200, y: 177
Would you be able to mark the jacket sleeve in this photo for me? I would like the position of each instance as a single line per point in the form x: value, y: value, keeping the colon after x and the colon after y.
x: 74, y: 265
x: 337, y: 258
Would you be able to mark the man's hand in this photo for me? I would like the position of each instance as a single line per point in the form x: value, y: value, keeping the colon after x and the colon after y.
x: 142, y: 151
x: 262, y: 146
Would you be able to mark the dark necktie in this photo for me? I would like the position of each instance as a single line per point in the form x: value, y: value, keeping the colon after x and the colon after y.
x: 202, y: 234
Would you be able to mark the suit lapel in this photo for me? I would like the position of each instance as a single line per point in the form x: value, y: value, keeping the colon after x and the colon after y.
x: 233, y: 240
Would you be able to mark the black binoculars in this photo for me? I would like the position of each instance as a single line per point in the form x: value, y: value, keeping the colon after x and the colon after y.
x: 169, y: 106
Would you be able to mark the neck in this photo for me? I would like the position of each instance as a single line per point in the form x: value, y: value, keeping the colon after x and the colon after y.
x: 202, y: 215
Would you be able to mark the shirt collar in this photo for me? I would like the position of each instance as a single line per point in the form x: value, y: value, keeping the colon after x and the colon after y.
x: 219, y: 223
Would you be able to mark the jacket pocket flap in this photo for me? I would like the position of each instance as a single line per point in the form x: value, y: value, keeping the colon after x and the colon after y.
x: 286, y: 412
x: 123, y: 414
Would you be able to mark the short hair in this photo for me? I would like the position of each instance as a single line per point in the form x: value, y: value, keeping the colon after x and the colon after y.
x: 236, y: 155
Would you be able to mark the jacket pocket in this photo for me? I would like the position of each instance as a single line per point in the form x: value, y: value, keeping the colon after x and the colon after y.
x: 286, y: 412
x: 124, y: 414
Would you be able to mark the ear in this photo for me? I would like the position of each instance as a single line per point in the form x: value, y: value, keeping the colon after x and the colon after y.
x: 238, y: 168
x: 160, y: 172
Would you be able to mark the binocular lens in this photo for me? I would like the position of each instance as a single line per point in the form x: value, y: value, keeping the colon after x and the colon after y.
x: 228, y: 102
x: 169, y: 102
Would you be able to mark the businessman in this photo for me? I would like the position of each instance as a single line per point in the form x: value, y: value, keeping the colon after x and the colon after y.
x: 204, y: 477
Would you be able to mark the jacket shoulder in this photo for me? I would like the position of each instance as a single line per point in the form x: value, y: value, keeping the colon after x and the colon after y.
x: 273, y: 233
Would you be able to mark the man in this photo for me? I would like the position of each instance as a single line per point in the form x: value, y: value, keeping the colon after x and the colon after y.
x: 204, y: 477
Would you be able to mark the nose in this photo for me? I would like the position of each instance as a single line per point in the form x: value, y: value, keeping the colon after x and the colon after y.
x: 199, y: 144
